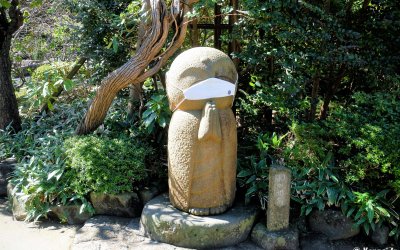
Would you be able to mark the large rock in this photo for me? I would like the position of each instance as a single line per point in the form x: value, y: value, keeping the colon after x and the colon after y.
x: 148, y: 193
x: 333, y: 224
x: 160, y: 221
x: 17, y: 205
x: 70, y: 214
x: 6, y: 168
x: 126, y: 204
x: 380, y: 235
x: 283, y: 239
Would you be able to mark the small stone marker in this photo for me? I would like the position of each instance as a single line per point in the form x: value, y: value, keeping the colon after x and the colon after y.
x: 279, y: 198
x: 277, y: 234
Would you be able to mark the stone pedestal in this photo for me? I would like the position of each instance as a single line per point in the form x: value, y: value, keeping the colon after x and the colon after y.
x: 162, y: 222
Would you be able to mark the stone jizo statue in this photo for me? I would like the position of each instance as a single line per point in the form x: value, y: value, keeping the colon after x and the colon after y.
x: 202, y: 140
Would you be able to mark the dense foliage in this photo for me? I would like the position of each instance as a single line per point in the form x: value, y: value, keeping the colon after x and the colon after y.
x: 338, y: 57
x: 319, y: 91
x: 103, y: 165
x: 107, y: 31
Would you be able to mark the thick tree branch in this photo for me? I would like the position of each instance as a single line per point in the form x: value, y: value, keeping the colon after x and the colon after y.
x: 132, y: 71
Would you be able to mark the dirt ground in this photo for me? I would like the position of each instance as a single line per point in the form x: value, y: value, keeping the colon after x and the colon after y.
x: 19, y: 235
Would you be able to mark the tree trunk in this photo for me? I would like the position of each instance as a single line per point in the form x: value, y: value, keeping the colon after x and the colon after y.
x: 149, y: 54
x: 331, y: 92
x: 135, y: 97
x: 314, y: 98
x: 135, y: 91
x: 8, y: 102
x: 194, y: 33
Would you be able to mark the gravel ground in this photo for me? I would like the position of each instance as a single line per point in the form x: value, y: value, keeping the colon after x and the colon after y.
x: 19, y: 235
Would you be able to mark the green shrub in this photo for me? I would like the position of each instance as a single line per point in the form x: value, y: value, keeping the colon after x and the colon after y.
x: 40, y: 179
x: 253, y: 171
x: 363, y: 139
x: 351, y: 160
x: 43, y: 178
x: 105, y: 165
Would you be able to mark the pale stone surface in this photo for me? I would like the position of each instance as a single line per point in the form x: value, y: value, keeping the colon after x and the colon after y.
x: 279, y: 198
x: 17, y: 206
x: 160, y: 221
x: 70, y: 214
x: 106, y: 232
x: 19, y: 235
x: 202, y: 140
x: 333, y: 224
x: 126, y: 204
x: 285, y: 239
x: 6, y: 168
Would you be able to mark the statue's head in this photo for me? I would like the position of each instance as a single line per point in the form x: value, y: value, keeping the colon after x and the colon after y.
x: 201, y: 65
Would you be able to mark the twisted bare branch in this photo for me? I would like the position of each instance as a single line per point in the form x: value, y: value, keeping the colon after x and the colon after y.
x: 134, y: 71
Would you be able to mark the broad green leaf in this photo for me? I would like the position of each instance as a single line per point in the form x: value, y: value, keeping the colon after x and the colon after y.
x: 50, y: 105
x: 370, y: 213
x: 162, y: 122
x: 358, y: 214
x: 251, y: 190
x: 150, y: 119
x: 366, y: 228
x: 146, y: 113
x: 5, y: 4
x: 45, y: 91
x: 308, y: 210
x: 68, y: 84
x: 334, y: 179
x: 251, y: 179
x: 383, y: 211
x: 244, y: 173
x: 115, y: 44
x: 36, y: 3
x: 59, y: 82
x: 361, y: 221
x: 332, y: 195
x: 393, y: 232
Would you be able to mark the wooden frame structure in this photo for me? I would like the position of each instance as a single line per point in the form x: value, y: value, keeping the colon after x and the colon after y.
x: 218, y: 26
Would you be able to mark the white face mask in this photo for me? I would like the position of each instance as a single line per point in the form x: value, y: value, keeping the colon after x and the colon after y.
x: 208, y: 89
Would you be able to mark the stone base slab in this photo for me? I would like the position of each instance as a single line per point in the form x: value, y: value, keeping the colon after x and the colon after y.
x: 162, y: 222
x: 283, y: 239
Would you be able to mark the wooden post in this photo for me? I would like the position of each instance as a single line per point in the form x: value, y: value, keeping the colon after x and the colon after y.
x: 233, y: 18
x: 217, y: 26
